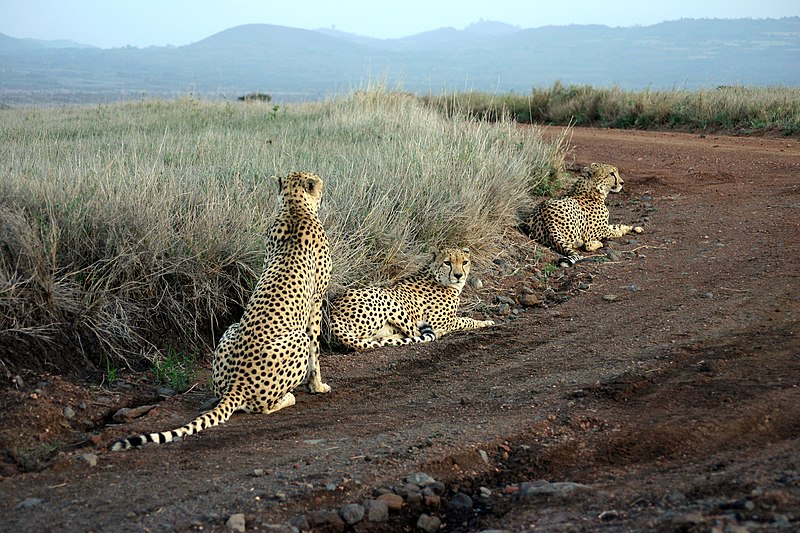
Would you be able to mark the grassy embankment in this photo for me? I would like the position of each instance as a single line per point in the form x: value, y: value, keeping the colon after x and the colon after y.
x: 124, y: 227
x: 731, y: 109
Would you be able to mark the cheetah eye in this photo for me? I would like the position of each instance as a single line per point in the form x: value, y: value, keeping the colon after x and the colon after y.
x: 465, y: 263
x: 448, y: 263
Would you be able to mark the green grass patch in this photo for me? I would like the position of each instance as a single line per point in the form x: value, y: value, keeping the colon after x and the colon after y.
x: 175, y: 368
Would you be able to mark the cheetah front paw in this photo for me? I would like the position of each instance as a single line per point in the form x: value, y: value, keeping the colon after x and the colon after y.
x: 319, y: 388
x: 638, y: 229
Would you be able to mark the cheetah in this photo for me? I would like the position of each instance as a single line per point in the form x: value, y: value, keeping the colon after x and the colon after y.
x: 417, y: 308
x: 275, y: 346
x: 579, y: 219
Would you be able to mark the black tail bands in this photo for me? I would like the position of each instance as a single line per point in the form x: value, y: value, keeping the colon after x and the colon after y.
x: 219, y: 415
x: 426, y: 332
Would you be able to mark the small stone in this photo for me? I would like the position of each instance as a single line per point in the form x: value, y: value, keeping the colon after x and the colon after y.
x: 613, y: 255
x: 561, y: 489
x: 408, y: 488
x: 326, y: 519
x: 330, y: 487
x: 503, y: 309
x: 377, y: 511
x: 633, y: 288
x: 300, y: 522
x: 352, y: 514
x: 429, y: 524
x: 29, y: 503
x: 126, y: 414
x: 414, y: 499
x: 89, y: 458
x: 584, y: 286
x: 420, y: 479
x: 258, y: 472
x: 236, y: 522
x: 484, y: 492
x: 708, y: 295
x: 382, y: 490
x: 393, y: 501
x: 19, y: 382
x: 484, y: 456
x: 438, y: 487
x: 476, y: 283
x: 460, y: 501
x: 610, y: 297
x: 68, y: 412
x: 529, y: 300
x: 504, y: 300
x: 430, y: 498
x: 166, y: 391
x: 82, y: 405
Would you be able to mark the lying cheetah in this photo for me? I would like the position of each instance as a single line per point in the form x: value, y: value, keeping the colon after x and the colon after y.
x: 418, y: 308
x: 579, y: 219
x: 275, y: 346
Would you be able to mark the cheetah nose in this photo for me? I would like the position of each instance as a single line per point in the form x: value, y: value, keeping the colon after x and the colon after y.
x: 458, y: 275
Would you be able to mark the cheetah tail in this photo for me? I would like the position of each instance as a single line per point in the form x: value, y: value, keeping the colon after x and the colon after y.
x: 218, y: 415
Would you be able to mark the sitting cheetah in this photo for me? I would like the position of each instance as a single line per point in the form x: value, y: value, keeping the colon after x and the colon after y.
x: 417, y: 308
x: 275, y: 346
x: 579, y: 219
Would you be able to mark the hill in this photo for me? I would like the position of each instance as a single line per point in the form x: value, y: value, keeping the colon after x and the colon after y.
x: 293, y: 64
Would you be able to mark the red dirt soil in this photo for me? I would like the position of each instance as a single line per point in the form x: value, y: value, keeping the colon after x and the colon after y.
x: 665, y: 380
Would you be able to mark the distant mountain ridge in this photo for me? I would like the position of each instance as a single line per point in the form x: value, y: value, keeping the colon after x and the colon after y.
x: 295, y: 64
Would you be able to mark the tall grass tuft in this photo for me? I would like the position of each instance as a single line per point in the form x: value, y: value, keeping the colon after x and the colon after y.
x: 128, y: 227
x: 729, y: 108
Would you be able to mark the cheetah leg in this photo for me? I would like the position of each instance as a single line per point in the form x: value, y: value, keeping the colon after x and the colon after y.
x: 618, y: 230
x: 461, y: 323
x: 288, y: 400
x: 591, y: 246
x: 314, y: 377
x: 221, y: 365
x: 566, y: 247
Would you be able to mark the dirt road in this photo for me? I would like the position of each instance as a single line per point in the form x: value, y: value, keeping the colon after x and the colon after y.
x: 656, y: 391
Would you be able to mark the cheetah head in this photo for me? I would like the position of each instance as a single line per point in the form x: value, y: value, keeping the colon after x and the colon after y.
x: 451, y: 266
x: 605, y: 178
x: 304, y: 187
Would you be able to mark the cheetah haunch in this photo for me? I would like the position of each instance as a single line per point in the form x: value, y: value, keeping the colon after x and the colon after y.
x: 579, y: 219
x: 275, y: 346
x: 417, y: 308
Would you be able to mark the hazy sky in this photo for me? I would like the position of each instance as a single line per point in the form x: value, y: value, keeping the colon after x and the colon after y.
x: 110, y: 23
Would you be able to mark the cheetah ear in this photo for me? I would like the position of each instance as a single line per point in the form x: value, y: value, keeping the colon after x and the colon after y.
x: 311, y: 186
x: 278, y: 181
x: 465, y: 250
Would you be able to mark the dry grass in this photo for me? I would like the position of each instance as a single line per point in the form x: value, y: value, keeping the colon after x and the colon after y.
x: 122, y: 224
x: 734, y: 108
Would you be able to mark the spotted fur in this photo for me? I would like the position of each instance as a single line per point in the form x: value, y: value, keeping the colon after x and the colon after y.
x: 579, y: 219
x: 275, y: 346
x: 418, y: 308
